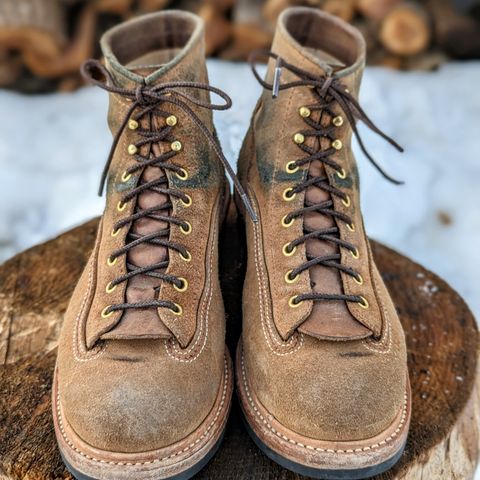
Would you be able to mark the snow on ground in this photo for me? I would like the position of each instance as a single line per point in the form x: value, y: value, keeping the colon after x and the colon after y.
x: 52, y: 150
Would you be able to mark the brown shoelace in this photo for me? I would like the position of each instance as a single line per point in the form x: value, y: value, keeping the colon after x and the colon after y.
x: 328, y: 91
x: 146, y: 103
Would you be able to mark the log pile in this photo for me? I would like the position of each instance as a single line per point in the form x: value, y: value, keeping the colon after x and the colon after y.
x: 43, y: 42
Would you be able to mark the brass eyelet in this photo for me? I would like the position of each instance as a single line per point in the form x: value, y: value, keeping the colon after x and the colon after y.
x: 288, y: 196
x: 184, y: 286
x: 110, y: 288
x: 114, y: 233
x: 111, y: 262
x: 132, y: 149
x: 285, y: 223
x: 176, y: 146
x: 292, y: 303
x: 287, y: 252
x: 337, y: 144
x: 299, y: 138
x: 291, y: 167
x: 355, y: 254
x: 132, y: 124
x: 178, y: 310
x: 121, y: 206
x: 171, y: 120
x: 289, y: 279
x: 346, y: 201
x: 337, y: 121
x: 186, y: 258
x: 363, y: 302
x: 106, y: 313
x: 126, y: 176
x: 182, y: 174
x: 187, y: 230
x: 304, y: 112
x: 351, y: 226
x: 358, y: 279
x: 188, y: 202
x: 341, y: 173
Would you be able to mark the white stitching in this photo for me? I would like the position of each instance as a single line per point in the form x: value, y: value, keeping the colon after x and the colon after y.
x: 262, y: 296
x: 318, y: 449
x: 295, y: 342
x: 80, y: 354
x: 372, y: 345
x: 157, y: 460
x: 169, y: 344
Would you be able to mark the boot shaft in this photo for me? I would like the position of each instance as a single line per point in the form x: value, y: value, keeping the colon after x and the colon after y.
x: 164, y: 179
x: 156, y: 49
x: 318, y: 43
x: 298, y: 162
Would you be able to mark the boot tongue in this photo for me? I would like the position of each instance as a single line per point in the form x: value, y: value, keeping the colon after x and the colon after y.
x: 158, y: 63
x: 141, y: 323
x: 321, y: 55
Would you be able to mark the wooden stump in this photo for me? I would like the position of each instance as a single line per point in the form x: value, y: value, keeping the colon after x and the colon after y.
x: 442, y: 343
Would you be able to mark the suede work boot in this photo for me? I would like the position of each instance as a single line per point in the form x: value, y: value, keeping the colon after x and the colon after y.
x: 322, y: 367
x: 143, y: 380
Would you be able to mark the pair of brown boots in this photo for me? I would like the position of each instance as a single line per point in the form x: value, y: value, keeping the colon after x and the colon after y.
x: 144, y: 382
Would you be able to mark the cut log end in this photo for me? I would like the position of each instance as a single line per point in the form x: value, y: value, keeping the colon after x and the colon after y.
x: 344, y: 9
x: 375, y: 9
x: 406, y: 30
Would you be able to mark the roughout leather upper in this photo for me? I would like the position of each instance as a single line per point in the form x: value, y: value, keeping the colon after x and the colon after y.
x: 142, y: 381
x: 326, y: 370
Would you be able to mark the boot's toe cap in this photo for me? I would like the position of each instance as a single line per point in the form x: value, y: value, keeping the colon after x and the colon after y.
x: 138, y: 409
x: 336, y: 393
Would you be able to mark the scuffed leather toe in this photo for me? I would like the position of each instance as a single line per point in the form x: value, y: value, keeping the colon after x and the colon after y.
x: 146, y: 402
x: 334, y: 392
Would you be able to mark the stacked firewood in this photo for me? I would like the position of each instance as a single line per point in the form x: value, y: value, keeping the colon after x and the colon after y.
x: 404, y: 34
x: 43, y: 42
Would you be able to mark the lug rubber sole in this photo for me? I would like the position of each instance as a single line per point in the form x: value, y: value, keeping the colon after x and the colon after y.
x: 316, y: 458
x: 358, y: 474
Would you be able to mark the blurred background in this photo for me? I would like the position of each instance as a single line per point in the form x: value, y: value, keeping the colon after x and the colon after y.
x: 43, y: 42
x: 422, y: 86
